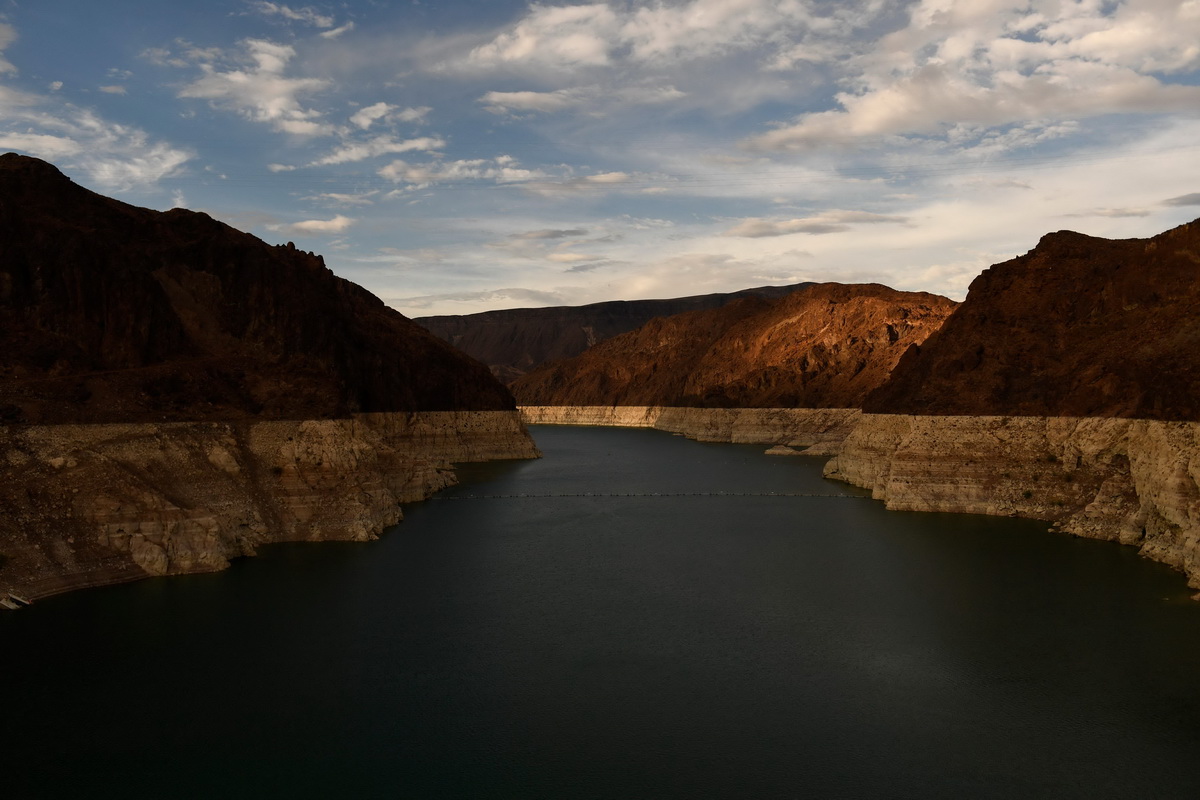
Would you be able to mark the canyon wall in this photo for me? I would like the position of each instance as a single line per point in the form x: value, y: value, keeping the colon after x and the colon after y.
x: 1133, y: 481
x: 820, y: 429
x: 87, y: 505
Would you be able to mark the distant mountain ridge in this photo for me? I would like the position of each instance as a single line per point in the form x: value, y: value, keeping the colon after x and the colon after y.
x: 114, y: 313
x: 825, y: 347
x: 513, y: 341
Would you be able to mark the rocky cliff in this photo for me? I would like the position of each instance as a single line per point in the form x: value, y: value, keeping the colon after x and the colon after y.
x: 175, y: 393
x: 1132, y: 481
x: 1066, y: 387
x: 1079, y: 326
x: 513, y: 341
x: 85, y: 505
x: 825, y: 347
x: 112, y: 313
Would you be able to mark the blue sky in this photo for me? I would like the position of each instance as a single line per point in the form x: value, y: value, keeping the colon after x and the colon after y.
x: 455, y: 157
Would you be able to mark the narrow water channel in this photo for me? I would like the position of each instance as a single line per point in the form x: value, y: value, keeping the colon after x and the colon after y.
x: 647, y: 621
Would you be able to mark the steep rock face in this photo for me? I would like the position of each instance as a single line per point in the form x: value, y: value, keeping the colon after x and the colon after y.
x: 1132, y: 481
x: 85, y: 505
x: 825, y: 347
x: 513, y: 341
x: 112, y: 313
x: 1079, y: 326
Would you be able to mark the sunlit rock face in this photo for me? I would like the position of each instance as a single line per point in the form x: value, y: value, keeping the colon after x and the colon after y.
x: 825, y: 347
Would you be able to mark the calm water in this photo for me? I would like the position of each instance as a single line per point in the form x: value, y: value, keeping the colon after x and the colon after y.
x: 623, y: 647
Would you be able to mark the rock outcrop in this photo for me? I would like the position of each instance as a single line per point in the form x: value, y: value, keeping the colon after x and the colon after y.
x: 1132, y: 481
x: 1066, y: 387
x: 1077, y: 327
x: 825, y: 347
x: 513, y: 341
x: 112, y: 313
x: 85, y: 505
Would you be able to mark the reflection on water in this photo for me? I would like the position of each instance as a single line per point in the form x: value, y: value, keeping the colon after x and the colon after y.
x: 712, y: 646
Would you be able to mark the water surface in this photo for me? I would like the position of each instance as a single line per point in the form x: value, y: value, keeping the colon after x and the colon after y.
x: 679, y: 642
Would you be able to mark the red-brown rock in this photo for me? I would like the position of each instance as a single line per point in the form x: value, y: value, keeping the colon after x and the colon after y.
x: 823, y: 347
x: 1078, y: 326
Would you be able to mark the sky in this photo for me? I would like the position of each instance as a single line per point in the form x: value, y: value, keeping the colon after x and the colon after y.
x: 455, y: 157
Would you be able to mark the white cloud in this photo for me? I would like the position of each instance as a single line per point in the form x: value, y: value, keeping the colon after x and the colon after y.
x: 366, y: 116
x: 314, y: 227
x: 991, y: 63
x: 379, y: 146
x: 260, y: 91
x: 593, y: 98
x: 502, y: 169
x: 336, y: 32
x: 115, y: 89
x: 834, y: 221
x: 307, y: 14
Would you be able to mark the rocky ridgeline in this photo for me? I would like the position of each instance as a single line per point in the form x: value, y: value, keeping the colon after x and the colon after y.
x: 827, y: 346
x: 175, y: 393
x: 514, y: 341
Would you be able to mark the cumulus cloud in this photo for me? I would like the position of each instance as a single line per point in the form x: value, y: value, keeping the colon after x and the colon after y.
x: 997, y: 63
x: 259, y: 90
x: 825, y: 222
x: 574, y: 37
x: 367, y: 116
x: 502, y: 169
x: 314, y: 227
x: 114, y: 89
x: 306, y: 14
x: 113, y: 155
x: 379, y: 146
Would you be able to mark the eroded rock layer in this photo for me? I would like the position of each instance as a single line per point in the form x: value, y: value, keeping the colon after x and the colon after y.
x: 86, y: 505
x: 819, y: 429
x: 825, y: 347
x: 1126, y: 480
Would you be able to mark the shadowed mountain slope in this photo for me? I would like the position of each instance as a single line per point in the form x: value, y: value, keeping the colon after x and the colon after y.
x: 1078, y: 326
x: 109, y: 312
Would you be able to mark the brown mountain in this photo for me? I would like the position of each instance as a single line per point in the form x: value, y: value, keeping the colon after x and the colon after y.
x: 825, y: 347
x: 109, y: 312
x: 513, y: 341
x: 1078, y: 326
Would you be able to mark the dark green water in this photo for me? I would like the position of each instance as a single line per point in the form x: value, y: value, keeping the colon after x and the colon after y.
x: 623, y: 647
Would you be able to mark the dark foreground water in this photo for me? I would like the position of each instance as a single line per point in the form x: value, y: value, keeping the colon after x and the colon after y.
x: 622, y: 647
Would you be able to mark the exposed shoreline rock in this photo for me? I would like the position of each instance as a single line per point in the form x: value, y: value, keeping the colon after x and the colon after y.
x: 1132, y: 481
x: 818, y: 429
x: 89, y: 505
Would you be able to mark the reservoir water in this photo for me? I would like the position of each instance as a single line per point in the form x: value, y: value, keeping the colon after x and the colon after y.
x: 679, y: 633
